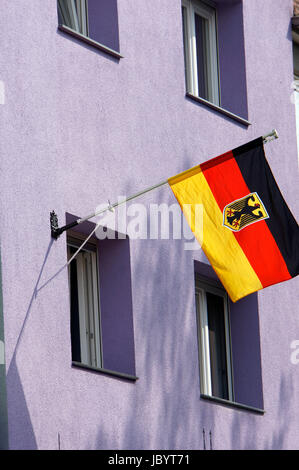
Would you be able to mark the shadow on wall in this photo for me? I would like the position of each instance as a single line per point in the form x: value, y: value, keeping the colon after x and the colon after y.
x: 284, y: 415
x: 162, y: 410
x: 158, y: 413
x: 23, y: 433
x: 252, y: 437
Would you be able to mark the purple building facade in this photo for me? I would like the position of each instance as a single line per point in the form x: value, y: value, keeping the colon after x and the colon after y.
x: 86, y: 118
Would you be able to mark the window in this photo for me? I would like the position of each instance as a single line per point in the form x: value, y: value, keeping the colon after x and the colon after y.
x: 200, y: 48
x: 296, y: 103
x: 295, y: 97
x: 94, y: 21
x: 101, y: 307
x: 229, y: 344
x: 214, y: 341
x: 84, y: 303
x: 73, y: 13
x: 214, y: 56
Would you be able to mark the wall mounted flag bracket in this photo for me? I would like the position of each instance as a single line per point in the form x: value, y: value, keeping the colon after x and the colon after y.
x: 56, y: 231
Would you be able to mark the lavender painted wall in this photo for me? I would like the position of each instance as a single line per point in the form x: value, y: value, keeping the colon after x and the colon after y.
x: 3, y: 399
x: 78, y: 128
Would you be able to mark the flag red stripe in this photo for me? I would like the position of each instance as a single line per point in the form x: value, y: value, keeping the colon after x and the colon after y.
x: 227, y: 184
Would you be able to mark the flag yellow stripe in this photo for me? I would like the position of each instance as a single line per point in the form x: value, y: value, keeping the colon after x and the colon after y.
x: 218, y: 242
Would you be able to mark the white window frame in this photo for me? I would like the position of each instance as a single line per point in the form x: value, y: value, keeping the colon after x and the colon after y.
x: 82, y: 8
x: 208, y: 13
x: 203, y: 335
x: 296, y: 104
x: 89, y: 306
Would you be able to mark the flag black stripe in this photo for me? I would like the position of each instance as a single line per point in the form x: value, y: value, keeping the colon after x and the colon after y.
x: 248, y: 146
x: 259, y: 178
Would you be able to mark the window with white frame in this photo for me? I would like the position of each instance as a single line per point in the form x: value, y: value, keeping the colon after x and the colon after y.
x: 200, y: 50
x: 296, y: 103
x: 84, y: 303
x: 214, y: 341
x: 73, y: 13
x: 93, y: 21
x: 295, y: 96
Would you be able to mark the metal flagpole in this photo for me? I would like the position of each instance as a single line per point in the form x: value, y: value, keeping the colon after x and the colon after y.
x: 57, y: 231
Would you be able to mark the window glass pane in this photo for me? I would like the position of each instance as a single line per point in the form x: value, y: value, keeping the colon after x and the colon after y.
x: 72, y: 13
x: 296, y: 94
x: 75, y: 326
x: 296, y: 59
x: 201, y: 34
x: 85, y: 321
x: 216, y: 323
x: 90, y: 309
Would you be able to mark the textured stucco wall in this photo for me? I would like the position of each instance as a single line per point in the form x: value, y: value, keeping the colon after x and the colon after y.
x: 78, y: 128
x: 3, y: 400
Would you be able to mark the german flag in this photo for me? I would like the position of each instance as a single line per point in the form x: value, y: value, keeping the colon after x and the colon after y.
x: 249, y: 234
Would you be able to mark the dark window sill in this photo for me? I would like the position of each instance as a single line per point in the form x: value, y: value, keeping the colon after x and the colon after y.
x: 90, y: 41
x: 120, y: 375
x: 233, y: 404
x: 220, y: 110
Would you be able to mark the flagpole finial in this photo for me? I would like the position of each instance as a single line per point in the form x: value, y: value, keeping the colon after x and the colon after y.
x: 271, y: 136
x: 54, y: 224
